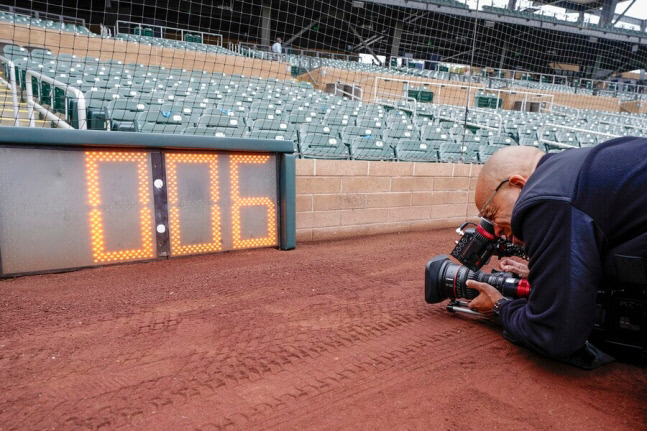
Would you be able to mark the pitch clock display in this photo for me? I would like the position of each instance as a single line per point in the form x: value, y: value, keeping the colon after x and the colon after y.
x: 64, y: 208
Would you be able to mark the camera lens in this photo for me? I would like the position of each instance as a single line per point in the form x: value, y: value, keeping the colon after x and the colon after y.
x: 444, y: 279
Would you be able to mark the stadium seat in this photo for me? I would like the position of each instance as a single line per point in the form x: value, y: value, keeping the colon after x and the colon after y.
x: 220, y: 120
x: 157, y: 121
x: 501, y: 140
x: 452, y: 152
x: 284, y: 128
x: 96, y: 103
x: 323, y: 146
x: 121, y: 114
x: 370, y: 148
x: 349, y: 133
x: 370, y: 122
x: 412, y: 150
x: 337, y: 119
x: 402, y: 131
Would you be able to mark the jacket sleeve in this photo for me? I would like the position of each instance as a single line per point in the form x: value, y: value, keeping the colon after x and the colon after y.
x: 565, y: 272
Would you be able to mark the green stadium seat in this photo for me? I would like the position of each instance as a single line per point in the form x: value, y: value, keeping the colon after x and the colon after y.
x: 335, y: 119
x: 456, y: 152
x: 501, y: 140
x: 220, y: 120
x: 155, y: 121
x: 302, y: 117
x: 285, y: 129
x: 262, y: 114
x: 371, y: 148
x: 402, y: 131
x: 370, y: 122
x: 323, y: 146
x: 121, y: 114
x: 349, y: 133
x: 412, y: 150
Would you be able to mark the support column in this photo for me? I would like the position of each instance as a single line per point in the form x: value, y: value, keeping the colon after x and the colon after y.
x: 596, y: 67
x: 397, y: 35
x: 608, y: 12
x: 266, y: 23
x: 504, y: 50
x: 512, y: 4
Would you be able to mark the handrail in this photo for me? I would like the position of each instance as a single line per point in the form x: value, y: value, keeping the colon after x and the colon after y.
x: 353, y: 87
x: 163, y: 30
x: 299, y: 52
x: 31, y: 104
x: 12, y: 85
x: 564, y: 106
x: 488, y: 112
x: 46, y: 15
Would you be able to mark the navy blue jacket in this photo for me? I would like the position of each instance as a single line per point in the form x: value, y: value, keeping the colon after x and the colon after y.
x: 574, y: 206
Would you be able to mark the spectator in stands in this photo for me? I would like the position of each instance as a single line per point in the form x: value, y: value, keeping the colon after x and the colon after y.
x: 577, y: 212
x: 277, y: 49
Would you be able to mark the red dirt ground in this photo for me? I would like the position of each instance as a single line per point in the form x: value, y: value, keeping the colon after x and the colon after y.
x: 329, y: 336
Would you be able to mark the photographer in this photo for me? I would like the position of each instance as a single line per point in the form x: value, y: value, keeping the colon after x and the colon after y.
x: 573, y: 211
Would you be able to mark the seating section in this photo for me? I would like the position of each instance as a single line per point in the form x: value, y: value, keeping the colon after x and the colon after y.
x: 47, y: 24
x: 152, y: 99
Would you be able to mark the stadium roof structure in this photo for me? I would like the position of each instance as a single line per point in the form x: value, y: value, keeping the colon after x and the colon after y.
x: 561, y: 42
x: 572, y: 5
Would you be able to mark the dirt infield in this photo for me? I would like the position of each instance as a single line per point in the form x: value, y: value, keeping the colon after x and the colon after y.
x: 329, y: 336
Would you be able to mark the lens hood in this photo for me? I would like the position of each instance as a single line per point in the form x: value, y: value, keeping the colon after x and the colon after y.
x: 433, y: 279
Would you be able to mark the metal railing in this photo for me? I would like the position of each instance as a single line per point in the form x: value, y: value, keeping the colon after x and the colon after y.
x: 485, y: 126
x: 339, y: 90
x: 245, y: 47
x: 163, y: 31
x: 31, y: 104
x: 42, y: 15
x: 577, y: 111
x: 13, y: 87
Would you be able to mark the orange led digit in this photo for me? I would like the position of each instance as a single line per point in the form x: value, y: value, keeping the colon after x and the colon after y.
x: 238, y: 202
x: 97, y: 234
x: 172, y: 160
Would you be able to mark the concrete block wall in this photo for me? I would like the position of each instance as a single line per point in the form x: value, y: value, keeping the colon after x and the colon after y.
x: 345, y: 198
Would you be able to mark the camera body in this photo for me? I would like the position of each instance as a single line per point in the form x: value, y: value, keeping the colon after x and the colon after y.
x: 477, y: 245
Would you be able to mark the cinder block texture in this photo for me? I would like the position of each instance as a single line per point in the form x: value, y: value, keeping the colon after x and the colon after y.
x: 346, y: 198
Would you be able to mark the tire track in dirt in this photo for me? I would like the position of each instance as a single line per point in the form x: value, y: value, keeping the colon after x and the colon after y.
x: 205, y: 372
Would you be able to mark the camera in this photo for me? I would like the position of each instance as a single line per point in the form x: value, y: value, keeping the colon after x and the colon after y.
x: 478, y: 245
x: 621, y: 319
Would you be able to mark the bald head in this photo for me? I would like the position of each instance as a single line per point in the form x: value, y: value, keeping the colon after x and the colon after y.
x: 508, y: 161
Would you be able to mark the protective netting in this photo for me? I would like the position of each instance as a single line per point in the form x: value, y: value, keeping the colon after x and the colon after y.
x: 386, y: 79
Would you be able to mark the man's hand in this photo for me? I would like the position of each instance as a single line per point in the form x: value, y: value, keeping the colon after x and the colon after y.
x: 484, y: 302
x: 509, y: 265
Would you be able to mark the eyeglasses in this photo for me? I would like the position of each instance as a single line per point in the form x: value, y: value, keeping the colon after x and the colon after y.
x: 492, y: 196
